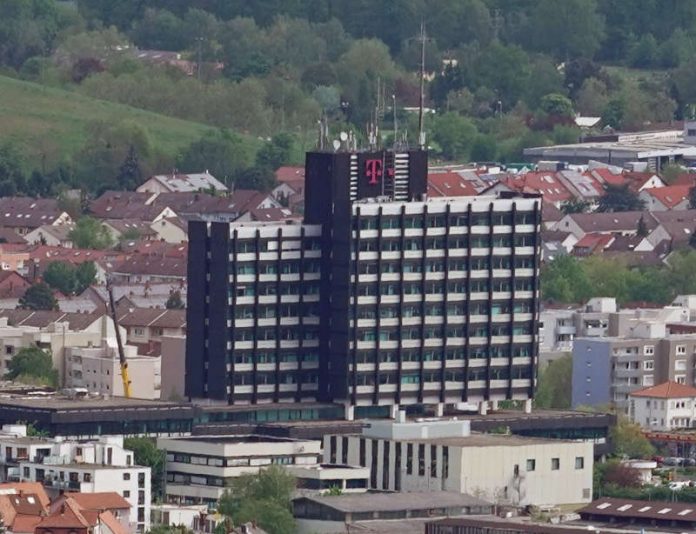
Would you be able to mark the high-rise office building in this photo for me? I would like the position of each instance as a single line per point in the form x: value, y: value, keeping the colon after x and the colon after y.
x: 380, y: 297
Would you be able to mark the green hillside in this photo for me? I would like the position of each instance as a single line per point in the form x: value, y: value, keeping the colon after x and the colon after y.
x: 49, y: 123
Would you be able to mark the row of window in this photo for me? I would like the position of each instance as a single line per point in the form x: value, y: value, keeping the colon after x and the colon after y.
x: 440, y: 243
x: 271, y: 288
x: 555, y: 464
x: 436, y: 309
x: 249, y: 357
x: 455, y: 375
x: 451, y: 353
x: 438, y: 265
x: 261, y: 379
x: 433, y: 287
x: 243, y: 246
x: 266, y: 311
x: 286, y: 267
x: 428, y: 220
x: 268, y: 333
x: 436, y: 332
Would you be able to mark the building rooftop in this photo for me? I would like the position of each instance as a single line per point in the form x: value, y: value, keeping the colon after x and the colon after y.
x: 495, y: 524
x: 386, y: 502
x: 625, y: 508
x: 90, y: 404
x: 489, y: 440
x: 237, y: 439
x: 666, y: 390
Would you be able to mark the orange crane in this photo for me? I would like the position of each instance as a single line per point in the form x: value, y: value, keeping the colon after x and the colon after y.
x: 121, y: 355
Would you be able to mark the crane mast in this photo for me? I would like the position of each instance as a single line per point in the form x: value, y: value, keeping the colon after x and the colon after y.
x: 121, y: 354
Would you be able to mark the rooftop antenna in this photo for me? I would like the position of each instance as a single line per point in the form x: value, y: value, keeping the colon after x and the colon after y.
x: 421, y: 133
x: 396, y: 132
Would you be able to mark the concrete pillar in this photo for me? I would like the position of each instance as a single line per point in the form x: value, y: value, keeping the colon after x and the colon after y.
x: 494, y: 405
x: 528, y: 406
x: 439, y: 409
x: 349, y: 412
x: 483, y: 408
x: 393, y: 411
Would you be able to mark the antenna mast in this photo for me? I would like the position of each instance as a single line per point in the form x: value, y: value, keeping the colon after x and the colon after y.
x: 421, y: 133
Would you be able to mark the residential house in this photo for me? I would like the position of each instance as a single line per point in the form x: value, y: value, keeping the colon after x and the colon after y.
x: 622, y: 223
x: 269, y: 215
x: 14, y: 257
x: 674, y: 227
x: 171, y: 230
x: 129, y: 205
x: 671, y: 197
x: 55, y: 236
x: 182, y: 183
x: 100, y: 502
x: 12, y: 288
x: 24, y: 214
x: 452, y: 184
x: 145, y: 325
x: 544, y: 183
x: 592, y: 243
x: 290, y: 174
x: 40, y: 256
x: 583, y: 186
x: 141, y: 295
x: 666, y: 407
x: 23, y: 507
x: 9, y: 235
x: 550, y: 215
x: 289, y: 194
x: 139, y: 268
x: 555, y: 244
x: 94, y: 466
x: 129, y: 229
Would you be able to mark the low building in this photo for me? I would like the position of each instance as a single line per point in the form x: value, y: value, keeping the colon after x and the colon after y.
x: 194, y: 517
x: 385, y: 512
x: 83, y: 418
x: 71, y: 518
x: 171, y: 230
x: 495, y: 525
x: 144, y: 325
x: 199, y: 468
x: 427, y: 455
x: 102, y: 465
x: 109, y: 501
x: 675, y: 516
x: 98, y: 370
x: 325, y: 477
x: 55, y: 236
x: 665, y: 407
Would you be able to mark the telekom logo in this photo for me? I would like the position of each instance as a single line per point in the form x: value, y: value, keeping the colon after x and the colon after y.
x: 373, y: 170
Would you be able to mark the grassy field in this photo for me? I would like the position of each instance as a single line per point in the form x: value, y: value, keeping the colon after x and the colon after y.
x: 49, y: 124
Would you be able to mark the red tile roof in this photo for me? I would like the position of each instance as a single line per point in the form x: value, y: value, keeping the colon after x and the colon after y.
x: 449, y: 184
x: 27, y: 487
x: 27, y: 212
x: 686, y: 178
x: 606, y: 176
x: 100, y: 501
x: 592, y: 242
x: 290, y: 174
x: 151, y: 265
x: 667, y: 390
x: 669, y: 196
x: 543, y: 183
x: 67, y: 516
x: 25, y: 524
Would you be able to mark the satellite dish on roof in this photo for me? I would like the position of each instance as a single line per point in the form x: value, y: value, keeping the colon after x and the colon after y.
x: 343, y: 136
x: 336, y: 144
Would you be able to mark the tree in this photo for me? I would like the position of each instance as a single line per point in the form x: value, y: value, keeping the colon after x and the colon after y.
x: 557, y: 105
x: 565, y: 280
x: 484, y: 148
x: 11, y: 174
x: 222, y: 152
x: 572, y: 28
x: 455, y: 136
x: 256, y: 178
x: 613, y: 113
x: 615, y: 473
x: 174, y: 302
x: 619, y: 198
x: 60, y: 275
x: 38, y: 296
x: 32, y: 363
x: 263, y: 497
x: 628, y: 439
x: 146, y: 453
x: 642, y: 230
x: 575, y: 206
x: 555, y: 384
x: 129, y: 174
x: 276, y: 153
x: 91, y: 233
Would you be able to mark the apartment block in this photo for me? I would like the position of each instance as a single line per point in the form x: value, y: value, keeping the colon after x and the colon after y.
x: 380, y: 297
x: 606, y: 371
x: 96, y: 466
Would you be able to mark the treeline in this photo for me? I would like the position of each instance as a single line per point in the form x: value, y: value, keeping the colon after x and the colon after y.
x: 503, y: 75
x: 570, y: 280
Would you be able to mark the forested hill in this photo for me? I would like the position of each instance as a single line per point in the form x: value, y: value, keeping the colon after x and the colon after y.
x: 503, y: 74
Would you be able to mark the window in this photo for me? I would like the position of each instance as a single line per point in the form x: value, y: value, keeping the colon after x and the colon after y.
x: 680, y: 365
x: 433, y: 461
x: 409, y: 458
x: 126, y: 476
x: 649, y: 365
x: 649, y: 350
x: 555, y: 464
x: 421, y: 460
x: 531, y: 465
x: 126, y: 494
x: 680, y: 379
x: 681, y: 349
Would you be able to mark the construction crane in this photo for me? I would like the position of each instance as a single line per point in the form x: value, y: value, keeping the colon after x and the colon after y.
x: 121, y: 355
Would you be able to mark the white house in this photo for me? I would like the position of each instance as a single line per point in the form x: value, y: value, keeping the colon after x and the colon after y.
x: 52, y: 235
x: 182, y: 183
x: 102, y: 465
x: 664, y: 407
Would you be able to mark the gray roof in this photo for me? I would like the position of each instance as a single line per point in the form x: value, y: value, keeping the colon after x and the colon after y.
x: 393, y: 502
